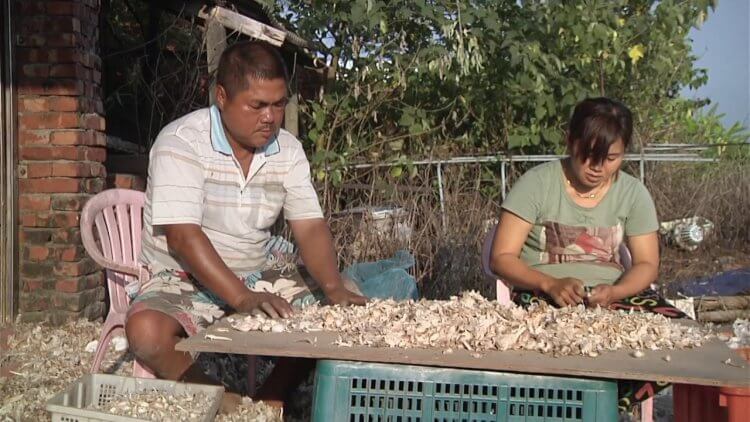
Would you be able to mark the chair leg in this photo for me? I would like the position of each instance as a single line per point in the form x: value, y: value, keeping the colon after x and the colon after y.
x: 252, y: 379
x: 101, y: 349
x: 647, y: 410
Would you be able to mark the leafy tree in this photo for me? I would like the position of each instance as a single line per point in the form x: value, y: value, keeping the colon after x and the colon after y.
x: 435, y: 78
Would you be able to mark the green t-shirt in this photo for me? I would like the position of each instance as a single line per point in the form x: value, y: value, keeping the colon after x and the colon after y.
x: 568, y: 240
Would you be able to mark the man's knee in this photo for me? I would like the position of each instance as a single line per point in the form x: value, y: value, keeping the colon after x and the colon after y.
x: 150, y: 334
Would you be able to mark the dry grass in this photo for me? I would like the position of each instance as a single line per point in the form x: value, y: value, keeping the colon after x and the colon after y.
x: 717, y: 191
x: 447, y: 245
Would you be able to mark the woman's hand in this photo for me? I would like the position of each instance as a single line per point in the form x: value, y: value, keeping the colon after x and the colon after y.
x: 602, y: 295
x: 566, y: 291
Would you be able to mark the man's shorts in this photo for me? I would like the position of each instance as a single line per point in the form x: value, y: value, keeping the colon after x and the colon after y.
x: 179, y: 295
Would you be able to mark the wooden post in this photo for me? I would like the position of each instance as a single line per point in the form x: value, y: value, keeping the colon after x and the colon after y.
x: 216, y: 43
x: 291, y: 113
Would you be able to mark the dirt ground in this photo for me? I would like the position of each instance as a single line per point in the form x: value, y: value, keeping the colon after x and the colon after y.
x: 678, y: 265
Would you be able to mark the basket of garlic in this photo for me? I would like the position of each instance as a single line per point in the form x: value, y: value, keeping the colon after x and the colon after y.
x: 102, y: 397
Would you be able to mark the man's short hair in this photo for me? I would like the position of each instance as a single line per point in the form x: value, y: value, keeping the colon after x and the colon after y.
x: 247, y: 60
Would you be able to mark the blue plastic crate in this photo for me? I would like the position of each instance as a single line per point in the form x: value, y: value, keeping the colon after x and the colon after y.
x: 373, y: 392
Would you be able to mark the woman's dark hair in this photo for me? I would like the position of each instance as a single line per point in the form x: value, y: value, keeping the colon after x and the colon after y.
x: 596, y: 124
x: 248, y: 60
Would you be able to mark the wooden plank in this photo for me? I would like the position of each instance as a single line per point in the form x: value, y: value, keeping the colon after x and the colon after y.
x: 701, y: 366
x: 245, y: 25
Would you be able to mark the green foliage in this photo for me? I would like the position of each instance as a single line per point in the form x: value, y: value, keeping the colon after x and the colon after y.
x: 438, y: 78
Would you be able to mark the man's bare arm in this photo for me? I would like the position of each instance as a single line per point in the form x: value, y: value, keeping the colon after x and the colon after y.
x: 316, y: 248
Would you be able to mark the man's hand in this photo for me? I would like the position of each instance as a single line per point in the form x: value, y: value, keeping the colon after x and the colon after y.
x: 341, y: 296
x: 256, y: 303
x: 566, y: 291
x: 602, y: 295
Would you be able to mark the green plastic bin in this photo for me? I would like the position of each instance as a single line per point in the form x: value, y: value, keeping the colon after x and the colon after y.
x: 373, y: 392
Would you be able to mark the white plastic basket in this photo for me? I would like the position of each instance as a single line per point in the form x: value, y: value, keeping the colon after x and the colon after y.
x: 70, y: 405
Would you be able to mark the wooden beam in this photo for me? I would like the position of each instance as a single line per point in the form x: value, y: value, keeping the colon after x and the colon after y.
x: 291, y: 113
x: 216, y: 43
x: 244, y: 25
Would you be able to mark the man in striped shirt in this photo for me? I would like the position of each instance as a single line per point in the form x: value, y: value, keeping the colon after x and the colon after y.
x: 218, y: 179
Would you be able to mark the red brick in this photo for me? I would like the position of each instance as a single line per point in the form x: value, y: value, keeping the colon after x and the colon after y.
x: 33, y: 104
x: 50, y: 87
x: 71, y: 253
x: 73, y: 202
x: 64, y: 104
x: 34, y: 202
x: 68, y: 70
x: 57, y: 24
x: 93, y: 121
x: 32, y: 285
x: 64, y: 8
x: 77, y: 169
x: 65, y: 55
x: 71, y: 285
x: 65, y: 219
x: 35, y: 137
x: 34, y: 40
x: 31, y: 7
x: 71, y: 137
x: 100, y: 139
x: 96, y: 154
x: 92, y: 185
x: 52, y: 153
x: 31, y: 55
x: 37, y: 170
x: 50, y: 120
x: 62, y: 235
x: 50, y: 185
x: 121, y: 181
x: 37, y: 236
x: 30, y: 220
x: 37, y: 253
x: 45, y: 104
x: 82, y: 267
x: 37, y: 70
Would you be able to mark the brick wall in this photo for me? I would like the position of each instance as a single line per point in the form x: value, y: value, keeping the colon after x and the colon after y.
x: 61, y: 154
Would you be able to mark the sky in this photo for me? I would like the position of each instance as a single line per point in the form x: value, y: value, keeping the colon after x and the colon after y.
x: 722, y: 46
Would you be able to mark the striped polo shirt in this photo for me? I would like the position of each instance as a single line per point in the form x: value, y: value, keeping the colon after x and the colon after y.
x: 194, y: 178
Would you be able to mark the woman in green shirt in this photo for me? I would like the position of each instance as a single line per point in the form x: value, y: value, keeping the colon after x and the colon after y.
x: 563, y: 224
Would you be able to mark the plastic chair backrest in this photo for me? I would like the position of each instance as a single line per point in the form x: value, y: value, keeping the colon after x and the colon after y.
x: 117, y: 216
x: 503, y: 291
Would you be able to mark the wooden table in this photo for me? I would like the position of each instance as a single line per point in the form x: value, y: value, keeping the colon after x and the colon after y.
x: 703, y: 366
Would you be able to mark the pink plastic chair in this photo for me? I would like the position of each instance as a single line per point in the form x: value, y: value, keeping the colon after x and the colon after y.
x: 116, y: 214
x: 503, y: 295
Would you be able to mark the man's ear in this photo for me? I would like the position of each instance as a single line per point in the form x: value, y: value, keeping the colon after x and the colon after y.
x: 221, y: 97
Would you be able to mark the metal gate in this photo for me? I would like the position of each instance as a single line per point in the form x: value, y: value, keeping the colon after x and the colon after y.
x: 8, y: 189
